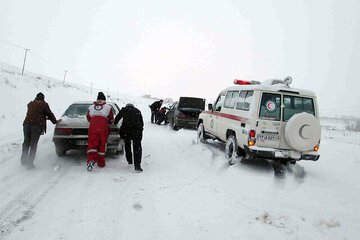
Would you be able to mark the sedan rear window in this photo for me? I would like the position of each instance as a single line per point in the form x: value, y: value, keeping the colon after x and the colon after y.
x: 76, y: 110
x: 294, y: 104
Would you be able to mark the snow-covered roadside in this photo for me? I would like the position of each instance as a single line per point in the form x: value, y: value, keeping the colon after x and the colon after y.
x: 187, y: 189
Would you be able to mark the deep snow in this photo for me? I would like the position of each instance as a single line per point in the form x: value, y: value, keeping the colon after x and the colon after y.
x: 187, y: 189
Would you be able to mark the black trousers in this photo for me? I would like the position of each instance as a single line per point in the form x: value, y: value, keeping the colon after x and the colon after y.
x: 134, y: 138
x: 153, y: 116
x: 31, y: 137
x: 160, y: 118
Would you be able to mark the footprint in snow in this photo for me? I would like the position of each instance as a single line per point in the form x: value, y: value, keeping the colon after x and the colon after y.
x: 120, y: 179
x: 137, y: 206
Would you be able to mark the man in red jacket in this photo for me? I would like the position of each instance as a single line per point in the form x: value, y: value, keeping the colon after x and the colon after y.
x: 100, y: 115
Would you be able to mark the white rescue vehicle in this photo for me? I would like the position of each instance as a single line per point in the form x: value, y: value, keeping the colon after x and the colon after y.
x: 264, y: 120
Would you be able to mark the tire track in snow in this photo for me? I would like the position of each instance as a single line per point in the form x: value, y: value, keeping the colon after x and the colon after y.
x: 21, y: 207
x: 10, y: 152
x: 7, y: 150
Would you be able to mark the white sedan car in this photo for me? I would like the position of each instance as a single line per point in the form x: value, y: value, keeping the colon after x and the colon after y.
x: 71, y: 132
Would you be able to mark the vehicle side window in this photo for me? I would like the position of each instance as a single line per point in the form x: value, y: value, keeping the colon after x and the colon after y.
x: 241, y: 99
x: 230, y: 99
x: 219, y: 102
x: 270, y: 106
x: 248, y: 99
x: 244, y: 100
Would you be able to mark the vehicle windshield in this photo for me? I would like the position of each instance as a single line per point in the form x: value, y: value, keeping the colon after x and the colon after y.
x: 77, y: 110
x: 295, y: 104
x: 187, y: 102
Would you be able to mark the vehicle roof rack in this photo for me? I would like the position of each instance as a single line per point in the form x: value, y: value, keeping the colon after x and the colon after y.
x: 273, y: 82
x: 287, y: 81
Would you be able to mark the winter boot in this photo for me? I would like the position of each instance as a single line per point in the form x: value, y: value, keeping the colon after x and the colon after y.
x: 30, y: 165
x: 138, y: 169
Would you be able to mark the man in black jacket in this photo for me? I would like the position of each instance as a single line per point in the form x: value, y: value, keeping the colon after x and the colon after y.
x: 131, y: 130
x: 155, y: 106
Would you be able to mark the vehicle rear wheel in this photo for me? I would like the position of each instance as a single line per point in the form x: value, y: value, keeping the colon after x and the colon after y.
x: 174, y: 126
x: 231, y: 149
x: 60, y: 151
x: 119, y: 152
x: 284, y: 161
x: 201, y: 136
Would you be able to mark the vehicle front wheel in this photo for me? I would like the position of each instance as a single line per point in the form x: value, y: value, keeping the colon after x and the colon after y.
x: 231, y: 149
x: 201, y: 136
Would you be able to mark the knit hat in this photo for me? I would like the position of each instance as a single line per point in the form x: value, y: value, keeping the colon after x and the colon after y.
x: 40, y: 96
x: 101, y: 96
x: 129, y: 105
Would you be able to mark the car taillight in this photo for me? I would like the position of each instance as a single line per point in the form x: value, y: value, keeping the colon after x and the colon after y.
x: 316, y: 148
x: 252, y: 139
x: 63, y: 131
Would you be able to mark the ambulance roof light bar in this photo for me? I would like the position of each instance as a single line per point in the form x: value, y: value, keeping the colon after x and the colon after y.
x: 245, y: 82
x: 241, y: 82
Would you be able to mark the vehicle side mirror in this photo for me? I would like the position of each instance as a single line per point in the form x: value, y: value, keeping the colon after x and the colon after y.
x: 210, y: 106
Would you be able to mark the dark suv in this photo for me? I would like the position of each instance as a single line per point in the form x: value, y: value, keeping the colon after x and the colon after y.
x: 185, y: 112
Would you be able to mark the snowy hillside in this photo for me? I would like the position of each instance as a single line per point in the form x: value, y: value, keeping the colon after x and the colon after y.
x: 187, y: 189
x: 18, y: 90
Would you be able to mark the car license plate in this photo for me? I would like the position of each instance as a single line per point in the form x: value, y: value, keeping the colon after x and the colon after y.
x: 267, y: 137
x: 82, y: 142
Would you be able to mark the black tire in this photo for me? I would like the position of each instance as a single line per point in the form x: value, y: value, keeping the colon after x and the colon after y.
x: 201, y: 136
x: 284, y: 161
x: 60, y: 151
x: 119, y: 152
x: 174, y: 126
x: 231, y: 149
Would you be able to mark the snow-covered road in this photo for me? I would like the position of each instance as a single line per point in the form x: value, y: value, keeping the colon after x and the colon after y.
x: 187, y: 191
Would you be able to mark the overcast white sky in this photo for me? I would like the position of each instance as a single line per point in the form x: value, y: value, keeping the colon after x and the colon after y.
x: 188, y: 47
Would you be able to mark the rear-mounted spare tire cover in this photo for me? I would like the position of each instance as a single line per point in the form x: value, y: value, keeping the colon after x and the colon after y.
x: 303, y: 132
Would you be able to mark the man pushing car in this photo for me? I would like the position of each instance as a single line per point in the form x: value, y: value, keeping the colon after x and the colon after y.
x: 100, y: 115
